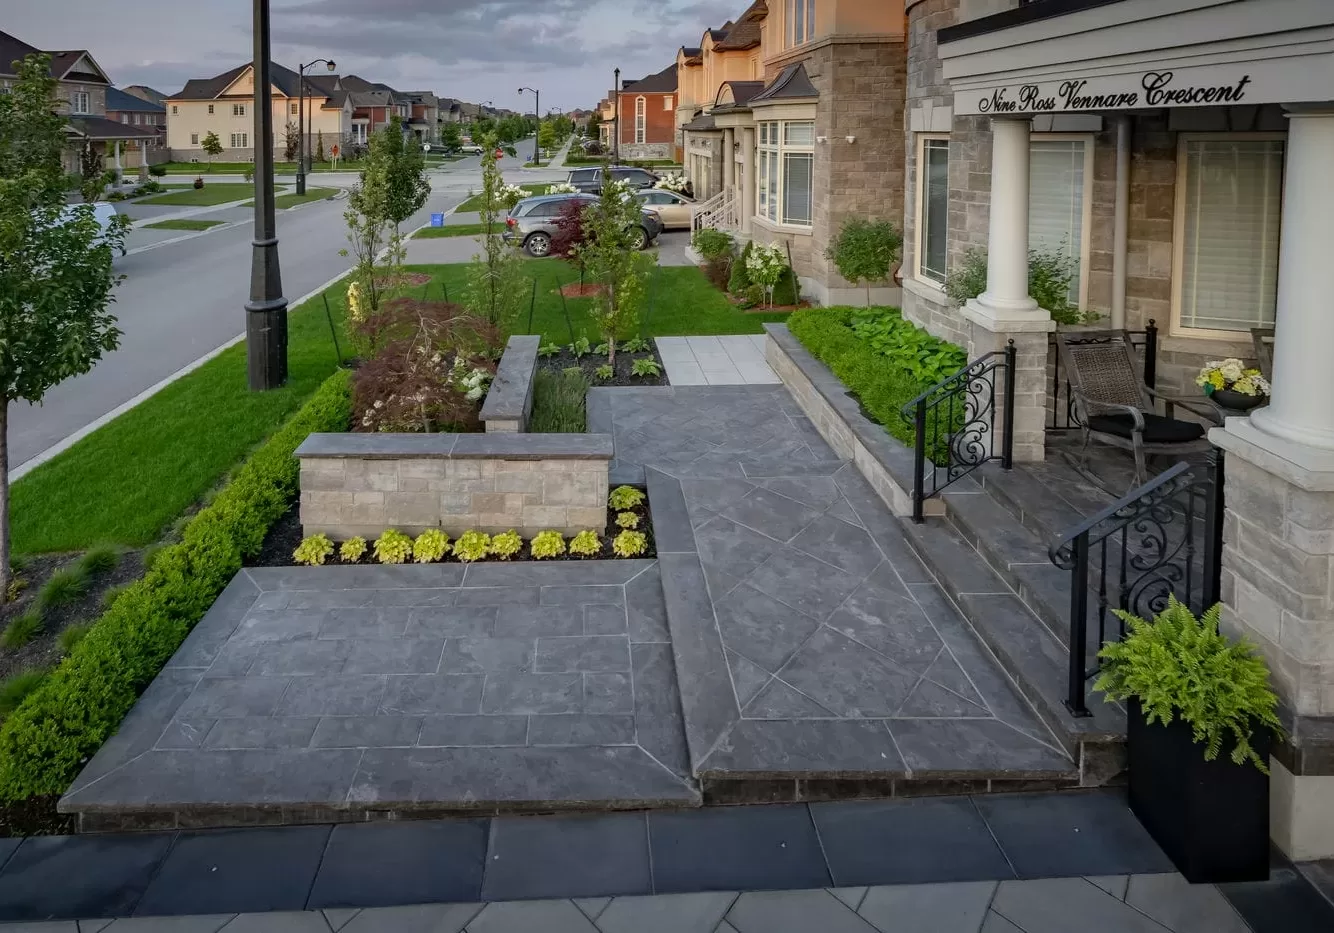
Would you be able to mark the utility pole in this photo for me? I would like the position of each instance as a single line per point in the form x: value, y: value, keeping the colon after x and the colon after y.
x: 266, y: 312
x: 616, y: 118
x: 537, y: 113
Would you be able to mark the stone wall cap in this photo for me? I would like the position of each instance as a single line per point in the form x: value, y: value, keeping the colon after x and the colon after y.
x: 456, y: 447
x: 508, y: 396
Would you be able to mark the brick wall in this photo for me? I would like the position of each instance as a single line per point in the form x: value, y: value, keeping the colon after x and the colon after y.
x: 659, y: 121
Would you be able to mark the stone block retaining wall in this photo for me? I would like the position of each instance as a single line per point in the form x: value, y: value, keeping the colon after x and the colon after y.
x: 362, y: 484
x: 510, y: 399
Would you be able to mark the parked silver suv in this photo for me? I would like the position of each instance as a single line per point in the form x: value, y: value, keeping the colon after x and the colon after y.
x: 590, y: 179
x: 532, y: 222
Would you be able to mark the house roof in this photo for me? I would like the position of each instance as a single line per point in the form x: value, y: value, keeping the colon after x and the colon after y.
x: 284, y: 79
x: 702, y: 122
x: 755, y: 12
x: 662, y: 82
x: 740, y: 93
x: 144, y: 92
x: 695, y: 52
x: 792, y: 84
x: 13, y: 49
x: 740, y: 36
x: 102, y: 128
x: 118, y: 100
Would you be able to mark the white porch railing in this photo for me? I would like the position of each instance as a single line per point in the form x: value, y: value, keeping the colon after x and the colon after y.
x: 718, y: 212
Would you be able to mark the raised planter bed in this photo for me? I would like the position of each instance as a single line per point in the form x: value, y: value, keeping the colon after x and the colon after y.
x: 509, y: 402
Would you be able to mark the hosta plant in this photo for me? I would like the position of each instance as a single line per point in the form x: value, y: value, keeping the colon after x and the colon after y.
x: 393, y: 547
x: 625, y: 497
x: 602, y: 349
x: 352, y: 550
x: 431, y: 545
x: 472, y: 545
x: 604, y: 372
x: 548, y: 349
x: 581, y: 348
x: 586, y: 544
x: 1178, y: 665
x: 505, y: 545
x: 627, y: 520
x: 629, y: 544
x: 547, y: 544
x: 313, y: 551
x: 647, y: 366
x: 634, y: 345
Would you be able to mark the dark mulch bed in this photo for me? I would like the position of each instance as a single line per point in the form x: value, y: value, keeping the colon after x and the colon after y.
x: 590, y: 362
x: 35, y: 816
x: 43, y: 651
x: 285, y: 535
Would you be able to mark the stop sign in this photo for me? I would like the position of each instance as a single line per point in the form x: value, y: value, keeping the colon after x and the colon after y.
x: 500, y: 153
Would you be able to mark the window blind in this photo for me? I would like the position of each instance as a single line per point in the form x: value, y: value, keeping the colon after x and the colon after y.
x: 1056, y: 202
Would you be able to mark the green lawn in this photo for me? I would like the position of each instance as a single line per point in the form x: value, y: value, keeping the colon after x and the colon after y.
x: 284, y: 201
x: 432, y: 233
x: 475, y: 203
x: 682, y: 302
x: 126, y: 482
x: 236, y: 168
x: 183, y: 224
x: 214, y: 193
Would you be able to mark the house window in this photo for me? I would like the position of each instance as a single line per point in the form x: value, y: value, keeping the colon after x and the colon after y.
x: 1229, y: 205
x: 210, y: 110
x: 138, y: 119
x: 292, y: 109
x: 1060, y: 176
x: 933, y: 205
x: 238, y: 110
x: 785, y: 163
x: 175, y: 111
x: 640, y: 119
x: 194, y: 139
x: 124, y: 118
x: 800, y: 21
x: 667, y: 102
x: 78, y: 102
x: 240, y: 140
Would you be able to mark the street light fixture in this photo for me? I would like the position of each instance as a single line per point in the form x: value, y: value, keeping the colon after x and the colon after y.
x: 616, y: 118
x: 266, y: 312
x: 302, y: 128
x: 537, y: 115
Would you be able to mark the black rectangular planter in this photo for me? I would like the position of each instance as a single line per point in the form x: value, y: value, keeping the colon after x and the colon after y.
x: 1211, y: 818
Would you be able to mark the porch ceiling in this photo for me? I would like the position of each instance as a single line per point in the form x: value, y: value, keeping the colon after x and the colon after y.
x: 1137, y: 54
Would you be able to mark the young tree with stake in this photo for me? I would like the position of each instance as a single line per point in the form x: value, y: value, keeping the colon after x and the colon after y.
x: 212, y: 147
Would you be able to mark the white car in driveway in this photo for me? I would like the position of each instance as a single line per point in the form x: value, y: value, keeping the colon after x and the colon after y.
x: 471, y: 149
x: 677, y: 210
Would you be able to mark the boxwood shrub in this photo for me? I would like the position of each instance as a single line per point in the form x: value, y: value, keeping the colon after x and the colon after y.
x: 65, y: 720
x: 888, y: 364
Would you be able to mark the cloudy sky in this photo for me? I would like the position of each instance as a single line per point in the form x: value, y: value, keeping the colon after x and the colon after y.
x: 475, y: 50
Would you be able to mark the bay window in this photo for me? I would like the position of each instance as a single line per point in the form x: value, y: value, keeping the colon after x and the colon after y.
x: 785, y: 161
x: 933, y: 203
x: 1229, y: 204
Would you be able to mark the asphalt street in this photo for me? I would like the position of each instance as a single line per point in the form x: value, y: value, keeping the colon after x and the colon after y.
x: 183, y: 296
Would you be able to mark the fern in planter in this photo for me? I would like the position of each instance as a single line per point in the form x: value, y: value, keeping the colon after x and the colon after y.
x: 1178, y: 665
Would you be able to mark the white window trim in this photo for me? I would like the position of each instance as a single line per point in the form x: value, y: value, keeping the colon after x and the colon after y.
x: 77, y: 98
x: 641, y: 120
x: 920, y: 219
x: 1179, y: 232
x: 238, y: 110
x: 781, y: 148
x: 798, y: 30
x: 667, y: 102
x: 1086, y: 221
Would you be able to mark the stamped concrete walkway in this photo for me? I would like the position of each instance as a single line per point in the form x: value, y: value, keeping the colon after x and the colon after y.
x: 810, y: 642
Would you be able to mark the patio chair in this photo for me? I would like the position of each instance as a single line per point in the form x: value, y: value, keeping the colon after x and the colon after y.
x: 1262, y: 338
x: 1114, y: 406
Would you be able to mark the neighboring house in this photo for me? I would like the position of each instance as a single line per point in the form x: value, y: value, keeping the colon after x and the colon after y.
x: 374, y: 105
x: 144, y: 92
x: 424, y: 115
x: 224, y: 104
x: 129, y: 110
x: 82, y: 86
x: 451, y: 111
x: 648, y: 116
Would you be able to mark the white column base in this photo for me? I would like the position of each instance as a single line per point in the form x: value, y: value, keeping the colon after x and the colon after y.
x: 1004, y: 316
x: 1301, y: 813
x: 1304, y: 466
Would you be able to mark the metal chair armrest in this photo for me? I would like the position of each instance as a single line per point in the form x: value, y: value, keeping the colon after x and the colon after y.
x: 1204, y: 410
x: 1087, y: 405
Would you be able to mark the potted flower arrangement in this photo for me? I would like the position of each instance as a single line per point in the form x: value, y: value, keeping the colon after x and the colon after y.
x: 1200, y: 720
x: 1232, y: 385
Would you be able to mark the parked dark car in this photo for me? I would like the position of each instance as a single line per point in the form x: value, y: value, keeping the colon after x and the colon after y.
x: 532, y: 222
x: 590, y: 179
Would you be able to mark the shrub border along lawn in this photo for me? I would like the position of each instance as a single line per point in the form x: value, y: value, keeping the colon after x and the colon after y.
x: 82, y: 702
x: 881, y: 387
x: 474, y: 203
x: 450, y: 230
x: 183, y: 224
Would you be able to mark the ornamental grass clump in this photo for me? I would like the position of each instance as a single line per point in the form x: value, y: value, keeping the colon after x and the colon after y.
x: 313, y: 551
x: 625, y: 497
x: 506, y: 544
x: 393, y: 547
x: 546, y: 545
x: 629, y: 544
x: 586, y: 544
x: 1180, y: 666
x: 431, y: 545
x: 352, y: 550
x: 472, y: 546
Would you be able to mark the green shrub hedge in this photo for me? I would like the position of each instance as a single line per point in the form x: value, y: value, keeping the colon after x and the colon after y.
x: 883, y: 381
x: 65, y: 720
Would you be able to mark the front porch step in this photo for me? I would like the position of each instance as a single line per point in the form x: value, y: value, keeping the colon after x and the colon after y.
x: 1029, y: 651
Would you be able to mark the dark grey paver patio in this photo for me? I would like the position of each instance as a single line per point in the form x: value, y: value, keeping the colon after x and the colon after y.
x: 344, y: 693
x: 801, y: 650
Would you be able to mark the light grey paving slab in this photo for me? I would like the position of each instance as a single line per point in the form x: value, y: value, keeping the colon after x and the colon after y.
x: 279, y: 922
x: 531, y: 917
x: 1183, y: 907
x: 851, y: 896
x: 928, y: 908
x: 339, y: 917
x: 1046, y: 906
x: 201, y: 923
x: 59, y: 926
x: 666, y: 913
x: 93, y: 926
x: 995, y: 923
x: 1115, y: 885
x: 592, y: 907
x: 725, y: 927
x: 424, y: 918
x: 794, y: 912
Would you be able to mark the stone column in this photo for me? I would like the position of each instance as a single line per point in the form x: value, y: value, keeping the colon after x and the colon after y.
x: 748, y: 171
x: 1278, y: 551
x: 729, y: 160
x: 1005, y: 311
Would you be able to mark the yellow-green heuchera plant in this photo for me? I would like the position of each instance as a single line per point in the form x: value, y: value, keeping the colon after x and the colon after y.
x: 393, y: 547
x: 313, y: 551
x: 627, y: 520
x: 352, y: 550
x: 472, y: 545
x: 586, y: 544
x: 506, y: 544
x: 431, y: 545
x: 629, y: 544
x: 1180, y: 666
x: 625, y: 497
x: 547, y: 544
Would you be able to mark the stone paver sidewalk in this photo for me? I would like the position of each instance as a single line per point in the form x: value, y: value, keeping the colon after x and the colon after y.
x: 733, y: 360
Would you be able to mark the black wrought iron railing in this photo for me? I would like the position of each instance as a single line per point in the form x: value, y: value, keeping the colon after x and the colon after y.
x: 1060, y: 405
x: 1163, y: 539
x: 955, y: 425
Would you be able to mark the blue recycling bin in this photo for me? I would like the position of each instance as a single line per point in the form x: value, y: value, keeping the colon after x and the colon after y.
x: 437, y: 220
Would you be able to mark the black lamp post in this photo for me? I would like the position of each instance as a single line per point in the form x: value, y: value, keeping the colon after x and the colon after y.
x: 266, y: 312
x: 537, y: 115
x: 302, y: 126
x: 616, y: 118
